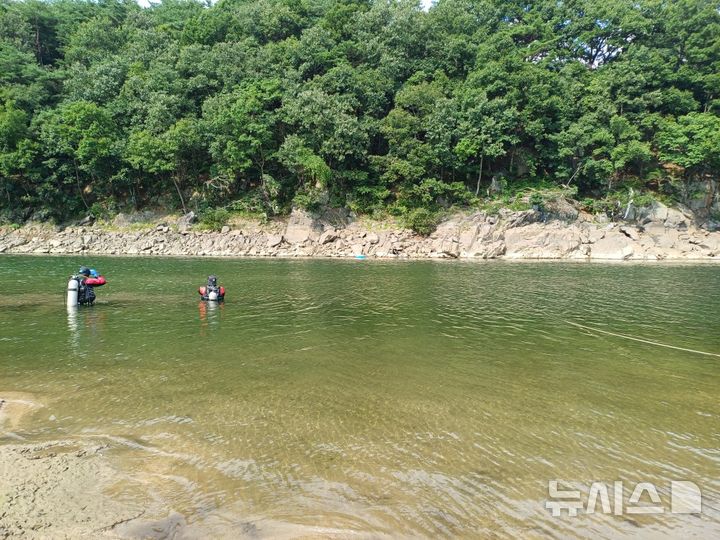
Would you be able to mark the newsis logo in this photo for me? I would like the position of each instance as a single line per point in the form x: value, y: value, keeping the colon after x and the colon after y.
x: 685, y: 498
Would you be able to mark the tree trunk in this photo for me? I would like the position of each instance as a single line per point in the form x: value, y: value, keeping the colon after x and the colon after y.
x: 477, y: 189
x: 38, y: 46
x: 710, y: 197
x: 177, y: 187
x: 80, y: 190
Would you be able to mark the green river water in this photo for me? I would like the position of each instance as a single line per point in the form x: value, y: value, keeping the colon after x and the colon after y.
x: 418, y: 399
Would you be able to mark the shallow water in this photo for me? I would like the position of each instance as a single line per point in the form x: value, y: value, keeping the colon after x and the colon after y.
x: 400, y: 399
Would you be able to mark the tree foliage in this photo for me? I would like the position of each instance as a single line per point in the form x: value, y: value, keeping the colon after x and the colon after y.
x: 367, y: 103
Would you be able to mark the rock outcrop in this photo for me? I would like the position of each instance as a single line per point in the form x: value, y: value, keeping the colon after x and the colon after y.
x: 657, y: 233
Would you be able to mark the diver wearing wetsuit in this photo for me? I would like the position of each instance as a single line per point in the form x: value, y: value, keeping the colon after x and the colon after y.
x: 87, y: 279
x: 212, y: 291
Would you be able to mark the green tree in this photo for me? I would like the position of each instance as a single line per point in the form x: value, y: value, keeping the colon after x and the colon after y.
x: 242, y: 128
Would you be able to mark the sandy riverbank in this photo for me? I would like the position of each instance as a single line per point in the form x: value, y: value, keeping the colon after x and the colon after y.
x: 61, y: 488
x: 78, y: 488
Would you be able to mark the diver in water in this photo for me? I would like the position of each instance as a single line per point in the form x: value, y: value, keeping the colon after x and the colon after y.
x: 212, y: 291
x: 81, y: 286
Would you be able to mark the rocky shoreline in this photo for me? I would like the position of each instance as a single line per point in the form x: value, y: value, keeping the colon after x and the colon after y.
x: 655, y: 233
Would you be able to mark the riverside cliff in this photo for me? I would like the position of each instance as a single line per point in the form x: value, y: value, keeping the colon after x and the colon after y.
x: 656, y: 233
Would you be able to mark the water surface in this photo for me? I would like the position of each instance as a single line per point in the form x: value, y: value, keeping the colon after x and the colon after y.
x: 411, y: 399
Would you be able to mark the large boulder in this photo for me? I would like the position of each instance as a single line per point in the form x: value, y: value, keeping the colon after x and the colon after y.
x: 613, y: 246
x: 538, y: 241
x: 473, y: 230
x: 520, y: 219
x: 274, y: 240
x: 301, y: 227
x: 328, y: 236
x: 485, y: 249
x: 467, y: 237
x: 630, y: 232
x: 655, y: 213
x: 675, y: 219
x: 481, y: 237
x: 185, y: 222
x: 446, y: 246
x: 561, y: 208
x: 658, y: 212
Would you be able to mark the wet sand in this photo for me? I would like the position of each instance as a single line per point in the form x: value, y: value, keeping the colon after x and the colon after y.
x: 62, y: 488
x: 57, y: 490
x: 69, y: 489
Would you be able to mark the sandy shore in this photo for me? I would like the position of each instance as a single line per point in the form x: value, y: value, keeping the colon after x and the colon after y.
x: 68, y: 489
x: 55, y: 490
x: 74, y: 488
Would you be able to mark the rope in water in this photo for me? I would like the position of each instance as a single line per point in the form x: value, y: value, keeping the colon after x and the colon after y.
x: 642, y: 340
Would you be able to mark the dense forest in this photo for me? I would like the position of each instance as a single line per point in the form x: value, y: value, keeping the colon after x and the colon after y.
x: 261, y: 105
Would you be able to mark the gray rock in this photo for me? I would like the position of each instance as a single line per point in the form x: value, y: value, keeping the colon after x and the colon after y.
x: 711, y: 225
x: 186, y: 221
x: 602, y: 218
x: 446, y: 247
x: 486, y: 250
x: 561, y: 208
x: 675, y: 219
x: 328, y: 236
x: 539, y: 241
x: 121, y: 220
x: 495, y: 186
x: 630, y: 232
x: 613, y: 246
x: 274, y: 240
x: 301, y: 226
x: 630, y: 213
x: 658, y: 211
x: 518, y: 219
x: 467, y: 237
x: 225, y: 230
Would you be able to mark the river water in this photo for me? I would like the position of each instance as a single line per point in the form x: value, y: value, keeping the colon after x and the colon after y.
x: 418, y: 399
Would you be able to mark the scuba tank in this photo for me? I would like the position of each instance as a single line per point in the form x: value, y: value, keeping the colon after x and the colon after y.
x: 72, y: 291
x: 212, y: 291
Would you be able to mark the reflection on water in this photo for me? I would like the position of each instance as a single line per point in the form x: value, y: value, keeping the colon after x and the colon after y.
x: 73, y: 330
x: 210, y: 315
x: 422, y: 399
x: 84, y: 323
